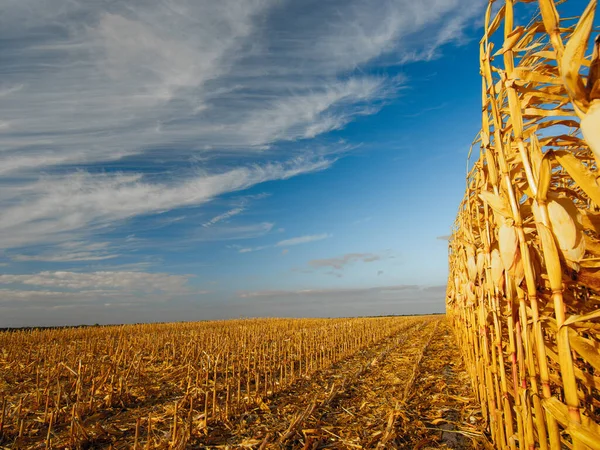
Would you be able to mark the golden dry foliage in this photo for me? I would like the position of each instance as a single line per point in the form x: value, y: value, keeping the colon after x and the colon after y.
x: 163, y: 385
x: 524, y: 281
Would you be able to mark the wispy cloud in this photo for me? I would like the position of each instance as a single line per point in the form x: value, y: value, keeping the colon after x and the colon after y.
x: 230, y: 233
x: 288, y: 242
x: 117, y: 115
x: 328, y: 291
x: 302, y: 240
x: 253, y: 249
x: 52, y: 209
x: 224, y: 216
x: 241, y: 204
x: 108, y: 280
x: 71, y: 252
x: 182, y: 75
x: 62, y: 289
x: 341, y: 262
x: 193, y: 76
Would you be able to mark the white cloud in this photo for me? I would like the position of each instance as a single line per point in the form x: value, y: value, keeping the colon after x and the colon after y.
x: 50, y: 290
x: 302, y: 116
x: 107, y: 82
x: 329, y: 291
x: 107, y: 280
x: 302, y: 240
x: 231, y: 233
x: 341, y: 262
x: 53, y: 208
x: 103, y: 81
x: 70, y: 252
x: 156, y: 88
x: 287, y: 242
x: 224, y: 216
x: 90, y: 81
x: 253, y: 249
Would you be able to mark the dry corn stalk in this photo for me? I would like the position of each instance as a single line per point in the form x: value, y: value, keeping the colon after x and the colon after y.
x: 532, y: 210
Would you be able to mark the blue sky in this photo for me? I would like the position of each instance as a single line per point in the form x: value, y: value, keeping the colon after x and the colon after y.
x: 178, y: 160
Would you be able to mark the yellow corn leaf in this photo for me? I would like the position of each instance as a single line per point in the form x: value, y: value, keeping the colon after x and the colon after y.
x: 586, y: 348
x: 561, y: 413
x: 573, y: 54
x: 496, y: 22
x: 582, y: 318
x: 529, y: 75
x: 548, y: 112
x: 562, y: 139
x: 538, y: 97
x: 550, y: 123
x: 547, y: 54
x: 581, y: 174
x: 549, y: 16
x: 511, y: 40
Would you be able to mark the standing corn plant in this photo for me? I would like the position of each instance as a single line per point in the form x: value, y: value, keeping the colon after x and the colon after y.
x: 524, y: 257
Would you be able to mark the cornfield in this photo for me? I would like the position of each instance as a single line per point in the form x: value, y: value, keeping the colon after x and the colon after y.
x: 524, y: 258
x: 523, y: 300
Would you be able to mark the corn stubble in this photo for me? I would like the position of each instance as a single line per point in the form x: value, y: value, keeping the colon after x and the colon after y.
x: 524, y: 256
x: 164, y: 385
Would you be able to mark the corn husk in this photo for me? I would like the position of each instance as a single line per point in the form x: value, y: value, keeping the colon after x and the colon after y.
x: 480, y: 262
x: 508, y: 243
x: 590, y: 128
x: 471, y: 264
x: 497, y: 269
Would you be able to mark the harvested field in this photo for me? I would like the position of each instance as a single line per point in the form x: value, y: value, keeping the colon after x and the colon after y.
x: 392, y: 382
